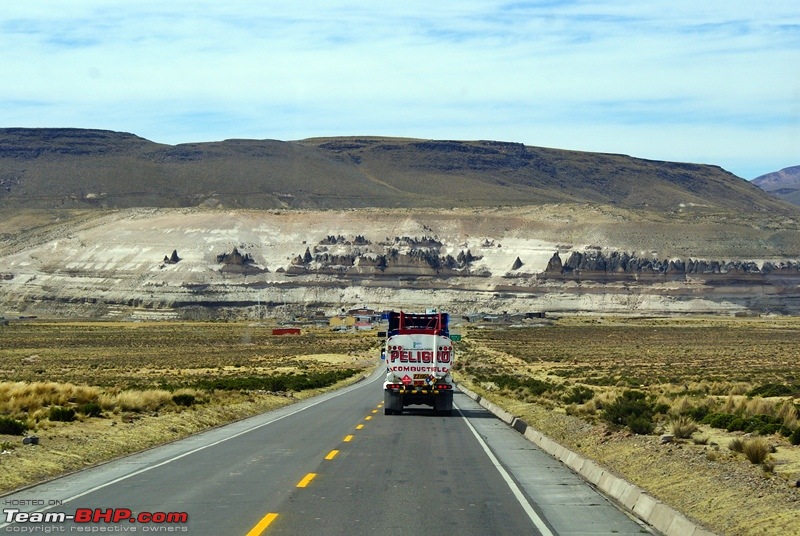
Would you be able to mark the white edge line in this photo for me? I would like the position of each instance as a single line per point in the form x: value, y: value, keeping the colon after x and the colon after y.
x: 193, y: 451
x: 523, y: 501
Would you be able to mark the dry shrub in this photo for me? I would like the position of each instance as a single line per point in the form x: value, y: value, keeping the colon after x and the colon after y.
x: 137, y: 401
x: 736, y: 404
x: 788, y: 412
x: 28, y: 397
x: 108, y: 401
x: 730, y: 406
x: 730, y: 388
x: 759, y: 406
x: 700, y: 387
x: 683, y: 427
x: 736, y: 444
x: 602, y: 400
x: 679, y: 405
x: 756, y: 450
x: 586, y: 410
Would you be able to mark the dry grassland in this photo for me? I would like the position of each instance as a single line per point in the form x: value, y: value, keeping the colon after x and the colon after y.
x: 136, y: 385
x: 576, y: 367
x: 579, y: 364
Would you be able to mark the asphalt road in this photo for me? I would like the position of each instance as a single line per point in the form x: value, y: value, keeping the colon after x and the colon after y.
x: 334, y: 464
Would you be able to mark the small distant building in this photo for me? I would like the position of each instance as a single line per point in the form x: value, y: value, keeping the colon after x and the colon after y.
x: 342, y: 321
x: 286, y: 331
x: 362, y: 311
x: 364, y: 314
x: 319, y: 319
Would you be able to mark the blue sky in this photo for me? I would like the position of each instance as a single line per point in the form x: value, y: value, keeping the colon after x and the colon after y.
x: 714, y: 82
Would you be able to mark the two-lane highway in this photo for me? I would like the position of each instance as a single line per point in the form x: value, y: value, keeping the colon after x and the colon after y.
x: 334, y: 464
x: 416, y: 471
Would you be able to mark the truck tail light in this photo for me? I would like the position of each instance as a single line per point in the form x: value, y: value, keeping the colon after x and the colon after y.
x: 443, y: 386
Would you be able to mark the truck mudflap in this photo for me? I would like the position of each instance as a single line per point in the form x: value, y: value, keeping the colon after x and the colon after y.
x: 396, y: 397
x: 443, y: 404
x: 392, y: 402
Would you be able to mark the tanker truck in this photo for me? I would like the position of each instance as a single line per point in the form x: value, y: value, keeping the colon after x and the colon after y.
x: 419, y: 357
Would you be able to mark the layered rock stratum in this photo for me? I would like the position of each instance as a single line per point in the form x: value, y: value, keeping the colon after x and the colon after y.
x: 252, y: 264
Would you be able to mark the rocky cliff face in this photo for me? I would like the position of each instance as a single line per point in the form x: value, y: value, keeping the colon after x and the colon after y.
x: 400, y: 256
x: 593, y: 264
x: 250, y: 263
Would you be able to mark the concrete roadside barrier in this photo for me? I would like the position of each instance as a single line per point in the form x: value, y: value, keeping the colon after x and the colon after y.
x: 633, y: 499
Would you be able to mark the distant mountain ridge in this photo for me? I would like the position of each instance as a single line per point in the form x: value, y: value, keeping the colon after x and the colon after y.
x: 784, y: 184
x: 74, y: 168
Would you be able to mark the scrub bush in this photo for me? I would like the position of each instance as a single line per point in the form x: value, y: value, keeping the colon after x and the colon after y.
x: 578, y: 395
x: 631, y: 409
x: 184, y: 399
x: 718, y: 420
x: 61, y: 414
x: 278, y: 382
x: 11, y: 426
x: 774, y: 389
x: 92, y: 409
x: 794, y: 439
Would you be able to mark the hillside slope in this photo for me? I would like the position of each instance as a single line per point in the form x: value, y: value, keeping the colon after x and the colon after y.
x: 74, y: 168
x: 785, y: 184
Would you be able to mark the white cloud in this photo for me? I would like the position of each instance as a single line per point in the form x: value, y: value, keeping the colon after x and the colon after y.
x: 675, y: 80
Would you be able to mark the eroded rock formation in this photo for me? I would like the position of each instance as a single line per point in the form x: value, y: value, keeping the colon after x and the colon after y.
x: 172, y: 259
x: 402, y: 255
x: 596, y: 263
x: 237, y: 263
x: 234, y: 257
